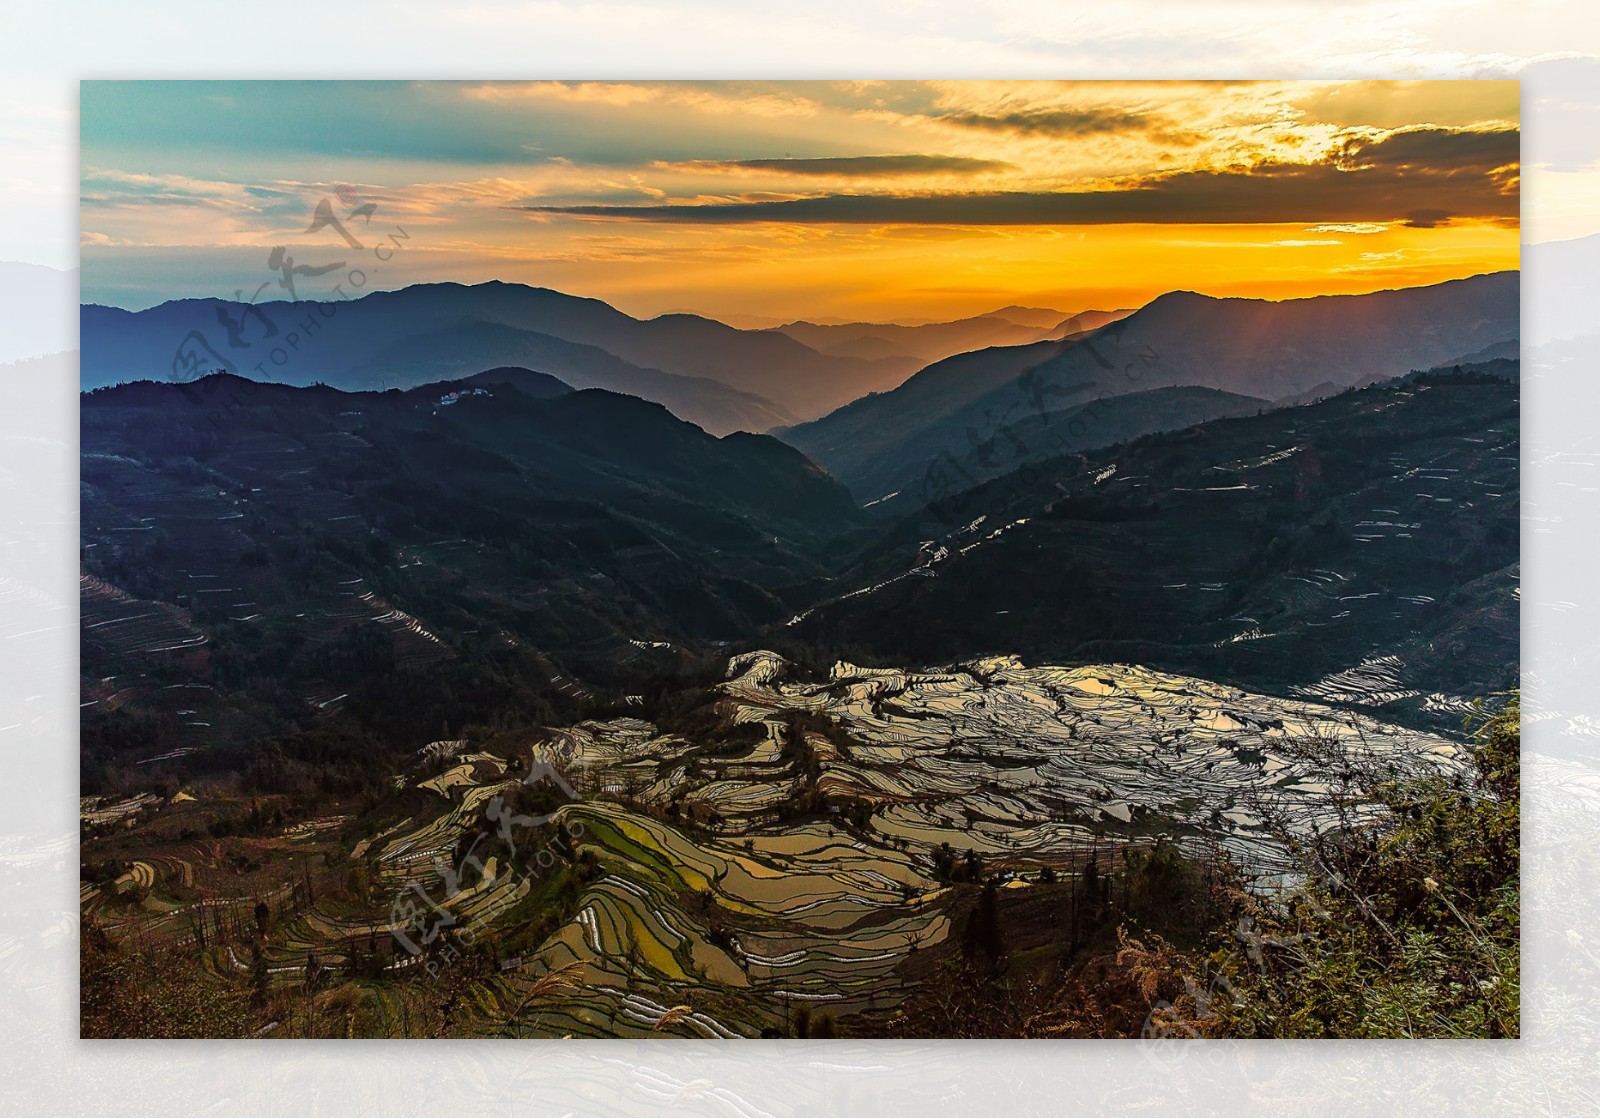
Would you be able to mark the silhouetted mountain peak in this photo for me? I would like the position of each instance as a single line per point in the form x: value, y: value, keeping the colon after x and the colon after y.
x: 527, y: 381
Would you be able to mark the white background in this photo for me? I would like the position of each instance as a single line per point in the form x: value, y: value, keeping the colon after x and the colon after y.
x: 1553, y: 47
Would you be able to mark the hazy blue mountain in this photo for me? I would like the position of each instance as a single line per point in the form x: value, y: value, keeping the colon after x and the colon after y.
x: 1509, y: 350
x: 853, y: 440
x: 539, y: 386
x: 376, y: 336
x: 461, y: 349
x: 929, y: 342
x: 1271, y: 350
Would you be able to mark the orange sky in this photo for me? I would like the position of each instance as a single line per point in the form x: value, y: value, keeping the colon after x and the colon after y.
x: 772, y: 200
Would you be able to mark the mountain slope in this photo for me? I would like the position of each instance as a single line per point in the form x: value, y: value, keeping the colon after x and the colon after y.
x: 930, y: 342
x: 859, y: 443
x: 461, y: 349
x: 538, y: 386
x: 289, y: 546
x: 1037, y: 438
x: 1042, y: 436
x: 338, y: 342
x: 1247, y: 346
x: 1363, y: 548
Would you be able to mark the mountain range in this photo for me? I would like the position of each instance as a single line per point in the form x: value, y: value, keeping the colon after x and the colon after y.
x: 908, y: 445
x: 883, y: 418
x: 1362, y: 549
x: 728, y: 378
x: 513, y: 620
x: 500, y: 507
x: 284, y: 544
x: 925, y: 343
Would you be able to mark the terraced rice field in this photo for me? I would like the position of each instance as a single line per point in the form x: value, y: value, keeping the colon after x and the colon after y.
x: 677, y: 891
x: 1018, y: 761
x: 697, y: 931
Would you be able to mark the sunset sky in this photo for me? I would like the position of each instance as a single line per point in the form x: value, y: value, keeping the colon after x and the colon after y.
x: 761, y: 202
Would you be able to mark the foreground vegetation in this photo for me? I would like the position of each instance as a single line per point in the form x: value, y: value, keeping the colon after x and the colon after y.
x: 1409, y: 927
x: 1405, y: 925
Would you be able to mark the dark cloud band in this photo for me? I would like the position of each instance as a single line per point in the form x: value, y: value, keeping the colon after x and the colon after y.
x: 851, y: 166
x: 1053, y: 122
x: 1426, y: 177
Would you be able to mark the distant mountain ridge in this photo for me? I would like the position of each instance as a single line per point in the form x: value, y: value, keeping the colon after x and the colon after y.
x: 394, y: 338
x: 1257, y: 348
x: 931, y: 342
x: 463, y: 348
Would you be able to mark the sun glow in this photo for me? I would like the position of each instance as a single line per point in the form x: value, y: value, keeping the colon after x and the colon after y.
x: 774, y: 201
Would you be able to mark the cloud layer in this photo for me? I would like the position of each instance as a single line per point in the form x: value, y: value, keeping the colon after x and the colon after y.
x: 742, y: 195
